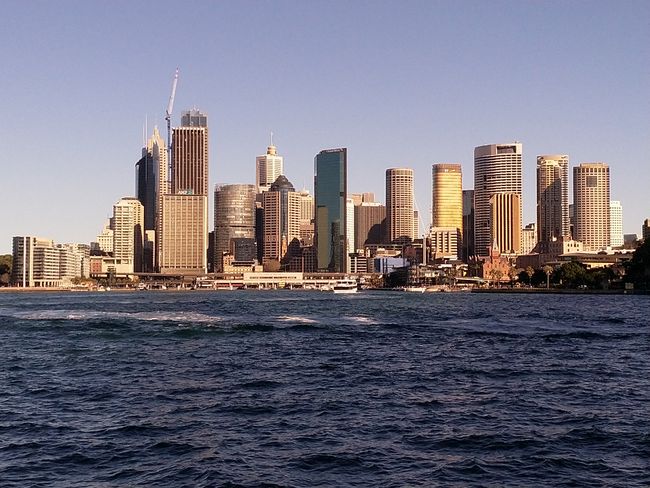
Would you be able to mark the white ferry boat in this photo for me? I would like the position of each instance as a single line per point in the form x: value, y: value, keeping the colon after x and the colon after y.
x: 346, y: 285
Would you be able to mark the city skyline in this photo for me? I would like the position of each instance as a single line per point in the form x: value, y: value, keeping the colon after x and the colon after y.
x: 409, y: 98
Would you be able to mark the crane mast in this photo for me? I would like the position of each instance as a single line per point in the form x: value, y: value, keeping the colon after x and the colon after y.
x: 168, y: 118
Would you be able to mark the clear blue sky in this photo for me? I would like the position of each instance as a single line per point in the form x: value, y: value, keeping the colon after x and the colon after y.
x: 404, y: 83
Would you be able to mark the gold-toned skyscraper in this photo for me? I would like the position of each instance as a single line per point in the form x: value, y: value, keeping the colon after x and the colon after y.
x: 446, y: 208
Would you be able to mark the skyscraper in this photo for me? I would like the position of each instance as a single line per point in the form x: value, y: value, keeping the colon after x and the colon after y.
x: 591, y: 201
x: 145, y: 187
x: 185, y: 208
x: 468, y: 225
x: 552, y: 197
x: 505, y: 222
x: 282, y: 212
x: 369, y: 223
x: 190, y: 155
x: 447, y: 206
x: 497, y: 169
x: 616, y: 223
x: 267, y: 168
x: 400, y: 216
x: 158, y: 152
x: 128, y: 234
x: 234, y: 217
x: 330, y: 195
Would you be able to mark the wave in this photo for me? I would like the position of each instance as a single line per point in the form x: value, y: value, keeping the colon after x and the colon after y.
x: 85, y: 315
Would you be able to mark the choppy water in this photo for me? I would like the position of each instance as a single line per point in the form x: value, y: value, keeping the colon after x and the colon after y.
x: 311, y: 389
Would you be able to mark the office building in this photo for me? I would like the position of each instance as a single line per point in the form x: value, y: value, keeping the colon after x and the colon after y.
x: 505, y: 222
x: 552, y: 197
x: 497, y: 169
x: 38, y: 262
x: 443, y: 243
x: 282, y: 211
x: 467, y: 241
x: 591, y: 201
x: 184, y: 240
x: 157, y: 150
x: 447, y: 207
x: 645, y: 229
x: 349, y: 232
x: 400, y: 216
x: 267, y: 168
x: 369, y: 224
x: 128, y: 234
x: 615, y: 224
x: 528, y: 238
x: 234, y: 218
x: 330, y: 195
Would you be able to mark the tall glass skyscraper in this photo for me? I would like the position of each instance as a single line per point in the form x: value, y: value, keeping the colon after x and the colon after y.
x: 330, y: 188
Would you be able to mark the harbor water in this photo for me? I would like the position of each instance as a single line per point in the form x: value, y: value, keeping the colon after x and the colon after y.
x: 298, y: 388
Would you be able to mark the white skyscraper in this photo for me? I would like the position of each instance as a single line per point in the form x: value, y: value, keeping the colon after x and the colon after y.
x: 267, y: 168
x: 615, y: 223
x: 128, y: 233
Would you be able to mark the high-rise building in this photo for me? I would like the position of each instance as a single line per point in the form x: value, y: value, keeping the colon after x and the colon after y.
x: 615, y: 223
x: 128, y: 234
x: 158, y: 151
x: 505, y: 221
x: 552, y: 197
x: 330, y: 189
x: 447, y: 206
x: 349, y: 232
x: 400, y: 216
x: 528, y: 238
x: 190, y: 155
x: 645, y: 229
x: 468, y: 225
x: 282, y: 211
x: 234, y: 218
x: 591, y: 200
x: 184, y: 241
x: 145, y: 188
x: 497, y: 169
x: 369, y: 224
x: 267, y: 168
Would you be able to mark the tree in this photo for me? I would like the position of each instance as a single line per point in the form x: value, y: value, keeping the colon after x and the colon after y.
x: 5, y: 268
x: 548, y: 270
x: 530, y: 272
x: 637, y: 269
x: 572, y: 274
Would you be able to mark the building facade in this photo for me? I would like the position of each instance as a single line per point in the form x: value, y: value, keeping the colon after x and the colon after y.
x: 330, y: 222
x: 497, y: 169
x: 369, y: 224
x: 468, y: 225
x: 447, y: 205
x: 184, y: 239
x: 615, y: 224
x: 591, y: 205
x: 400, y: 216
x: 552, y: 197
x: 234, y: 218
x: 267, y: 168
x: 282, y: 215
x: 505, y: 222
x: 128, y: 234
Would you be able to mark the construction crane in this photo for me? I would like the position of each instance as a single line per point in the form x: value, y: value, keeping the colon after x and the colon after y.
x: 168, y: 118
